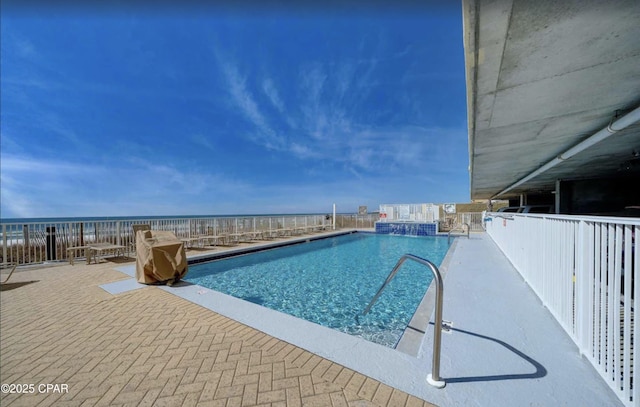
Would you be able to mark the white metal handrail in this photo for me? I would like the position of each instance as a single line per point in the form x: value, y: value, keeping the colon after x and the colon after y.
x: 458, y: 228
x: 433, y: 378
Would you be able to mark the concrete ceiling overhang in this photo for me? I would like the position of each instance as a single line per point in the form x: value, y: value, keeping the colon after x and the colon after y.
x: 542, y: 76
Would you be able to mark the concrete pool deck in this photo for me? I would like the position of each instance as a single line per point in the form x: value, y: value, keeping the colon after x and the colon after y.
x: 505, y: 348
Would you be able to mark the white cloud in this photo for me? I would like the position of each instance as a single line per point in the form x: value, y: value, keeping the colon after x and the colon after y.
x: 47, y: 187
x: 202, y: 141
x: 312, y: 80
x: 245, y: 100
x: 272, y: 93
x: 344, y: 77
x: 302, y: 151
x: 23, y: 165
x: 34, y: 187
x: 23, y: 47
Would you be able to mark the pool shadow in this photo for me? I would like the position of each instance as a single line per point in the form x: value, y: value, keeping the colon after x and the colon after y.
x: 120, y: 259
x: 540, y: 370
x: 200, y: 249
x: 13, y: 286
x: 181, y: 283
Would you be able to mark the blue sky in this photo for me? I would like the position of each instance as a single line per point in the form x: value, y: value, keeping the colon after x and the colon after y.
x: 222, y: 110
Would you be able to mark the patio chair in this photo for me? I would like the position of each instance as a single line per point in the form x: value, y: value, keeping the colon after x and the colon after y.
x: 136, y: 229
x: 211, y: 238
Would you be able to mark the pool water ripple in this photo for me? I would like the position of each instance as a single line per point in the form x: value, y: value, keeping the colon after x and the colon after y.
x: 330, y: 281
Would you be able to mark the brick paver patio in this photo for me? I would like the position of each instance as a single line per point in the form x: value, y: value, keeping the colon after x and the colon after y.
x: 148, y: 347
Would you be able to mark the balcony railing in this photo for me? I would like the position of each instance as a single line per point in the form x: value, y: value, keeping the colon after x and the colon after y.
x: 37, y: 242
x: 583, y: 270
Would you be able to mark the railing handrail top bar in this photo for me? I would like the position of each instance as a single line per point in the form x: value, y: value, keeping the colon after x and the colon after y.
x: 139, y: 220
x: 587, y: 218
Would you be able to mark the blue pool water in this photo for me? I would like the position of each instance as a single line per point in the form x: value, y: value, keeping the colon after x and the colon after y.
x: 330, y: 281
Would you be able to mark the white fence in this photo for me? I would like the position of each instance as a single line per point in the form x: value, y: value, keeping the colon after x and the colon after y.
x: 455, y: 220
x: 36, y: 242
x: 357, y: 221
x: 583, y: 269
x: 409, y: 212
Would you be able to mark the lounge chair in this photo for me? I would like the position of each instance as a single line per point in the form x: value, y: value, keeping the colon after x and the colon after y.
x: 189, y: 241
x: 212, y: 240
x: 98, y: 249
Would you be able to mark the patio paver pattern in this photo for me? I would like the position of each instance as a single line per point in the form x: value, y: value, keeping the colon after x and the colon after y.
x: 150, y: 348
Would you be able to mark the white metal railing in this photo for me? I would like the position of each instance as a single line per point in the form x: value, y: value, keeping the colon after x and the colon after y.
x: 454, y: 220
x: 367, y: 221
x: 37, y: 242
x: 583, y: 269
x: 425, y: 212
x: 460, y: 228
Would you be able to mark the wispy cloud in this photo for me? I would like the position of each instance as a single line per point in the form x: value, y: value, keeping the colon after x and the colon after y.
x: 324, y: 115
x: 55, y: 124
x: 344, y: 78
x: 329, y: 121
x: 202, y: 141
x: 25, y: 48
x: 31, y: 187
x: 304, y: 151
x: 244, y: 99
x: 45, y: 187
x: 51, y: 169
x: 272, y: 93
x: 312, y: 80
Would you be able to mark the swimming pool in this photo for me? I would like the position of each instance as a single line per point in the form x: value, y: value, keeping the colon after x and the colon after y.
x: 330, y: 281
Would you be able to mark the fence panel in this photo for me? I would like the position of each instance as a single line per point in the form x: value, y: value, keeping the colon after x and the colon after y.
x: 584, y: 271
x: 38, y: 242
x: 425, y: 212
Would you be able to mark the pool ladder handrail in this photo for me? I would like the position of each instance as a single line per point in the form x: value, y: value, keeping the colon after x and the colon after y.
x: 433, y: 378
x: 458, y: 228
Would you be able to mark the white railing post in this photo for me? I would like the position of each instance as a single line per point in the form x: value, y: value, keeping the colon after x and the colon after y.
x: 636, y: 304
x: 581, y: 279
x: 4, y: 243
x: 627, y: 359
x: 334, y: 216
